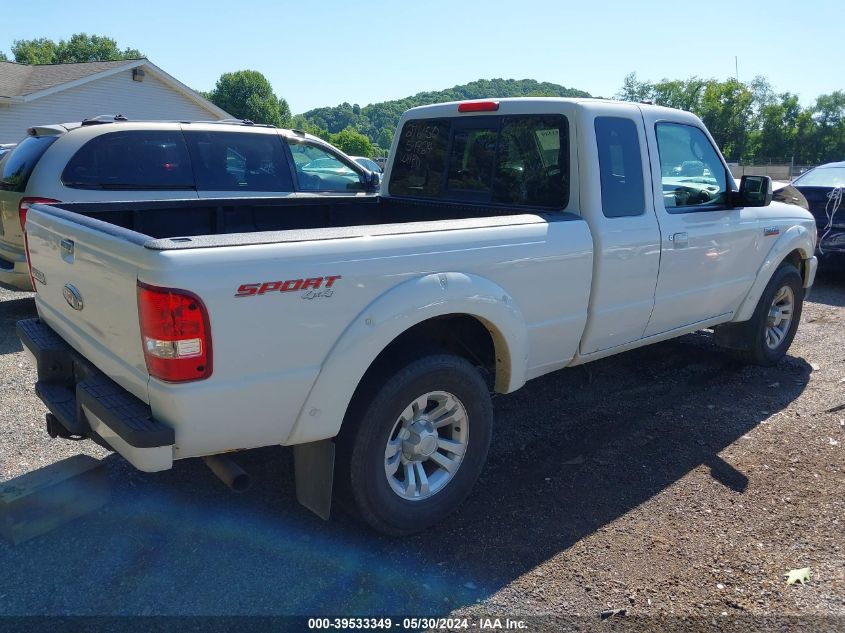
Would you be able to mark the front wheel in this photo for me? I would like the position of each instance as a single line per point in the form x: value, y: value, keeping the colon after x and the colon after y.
x: 414, y: 451
x: 766, y: 337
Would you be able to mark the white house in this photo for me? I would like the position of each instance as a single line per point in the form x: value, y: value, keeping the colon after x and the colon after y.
x: 58, y: 93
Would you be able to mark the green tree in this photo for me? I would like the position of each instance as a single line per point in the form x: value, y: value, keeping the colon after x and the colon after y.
x: 3, y: 57
x: 751, y: 121
x: 776, y: 128
x: 806, y: 150
x: 81, y: 47
x: 683, y: 95
x: 301, y: 123
x: 284, y: 113
x: 829, y: 115
x: 246, y: 94
x: 385, y: 138
x: 35, y: 51
x: 726, y: 111
x: 351, y: 142
x: 370, y: 120
x: 633, y: 89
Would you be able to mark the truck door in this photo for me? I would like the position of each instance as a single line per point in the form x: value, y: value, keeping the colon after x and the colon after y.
x: 617, y: 201
x: 708, y: 259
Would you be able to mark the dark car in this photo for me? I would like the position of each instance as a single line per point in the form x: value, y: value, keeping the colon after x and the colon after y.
x: 823, y: 188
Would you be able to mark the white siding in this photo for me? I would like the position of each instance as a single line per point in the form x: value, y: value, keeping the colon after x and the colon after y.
x: 117, y: 94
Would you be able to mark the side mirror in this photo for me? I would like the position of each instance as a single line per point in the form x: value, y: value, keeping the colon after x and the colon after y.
x: 755, y: 191
x: 372, y: 180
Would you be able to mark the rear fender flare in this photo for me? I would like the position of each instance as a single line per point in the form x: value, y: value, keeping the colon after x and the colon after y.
x: 393, y: 313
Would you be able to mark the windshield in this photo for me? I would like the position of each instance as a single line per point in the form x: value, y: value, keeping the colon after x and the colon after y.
x: 822, y: 177
x: 16, y: 166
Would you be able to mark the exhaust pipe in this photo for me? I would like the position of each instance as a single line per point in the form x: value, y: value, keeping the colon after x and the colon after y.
x: 227, y: 471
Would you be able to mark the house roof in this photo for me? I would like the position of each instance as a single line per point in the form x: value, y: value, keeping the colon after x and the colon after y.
x: 19, y: 80
x: 22, y: 82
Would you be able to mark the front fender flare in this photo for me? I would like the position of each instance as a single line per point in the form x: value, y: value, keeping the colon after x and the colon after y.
x: 795, y: 238
x: 393, y: 313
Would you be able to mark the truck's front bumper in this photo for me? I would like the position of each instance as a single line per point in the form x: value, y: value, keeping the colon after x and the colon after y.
x: 87, y: 403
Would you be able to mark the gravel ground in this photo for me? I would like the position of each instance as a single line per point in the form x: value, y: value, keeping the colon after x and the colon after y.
x: 666, y: 481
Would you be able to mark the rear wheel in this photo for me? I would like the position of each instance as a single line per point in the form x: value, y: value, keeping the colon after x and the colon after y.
x: 413, y: 451
x: 766, y: 337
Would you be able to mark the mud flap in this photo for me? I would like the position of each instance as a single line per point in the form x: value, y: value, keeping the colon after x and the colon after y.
x: 313, y: 464
x: 732, y: 335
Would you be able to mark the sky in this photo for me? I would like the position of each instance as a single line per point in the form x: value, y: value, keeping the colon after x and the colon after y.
x: 326, y: 52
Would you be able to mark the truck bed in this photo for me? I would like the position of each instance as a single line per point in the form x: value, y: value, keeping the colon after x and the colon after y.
x: 391, y: 262
x: 180, y: 224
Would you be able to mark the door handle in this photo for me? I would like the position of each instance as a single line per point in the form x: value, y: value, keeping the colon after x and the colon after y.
x: 679, y: 240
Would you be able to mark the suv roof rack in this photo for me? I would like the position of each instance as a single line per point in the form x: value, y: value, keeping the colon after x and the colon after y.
x: 104, y: 118
x: 119, y: 118
x: 241, y: 122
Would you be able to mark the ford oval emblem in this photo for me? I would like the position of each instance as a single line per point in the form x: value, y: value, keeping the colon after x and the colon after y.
x: 72, y: 296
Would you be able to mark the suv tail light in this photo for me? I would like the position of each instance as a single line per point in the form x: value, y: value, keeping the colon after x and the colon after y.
x: 175, y: 333
x: 24, y: 205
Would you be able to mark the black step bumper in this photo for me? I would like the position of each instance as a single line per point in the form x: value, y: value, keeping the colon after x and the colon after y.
x: 83, y: 399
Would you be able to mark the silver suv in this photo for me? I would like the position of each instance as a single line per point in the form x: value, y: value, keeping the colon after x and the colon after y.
x: 111, y: 159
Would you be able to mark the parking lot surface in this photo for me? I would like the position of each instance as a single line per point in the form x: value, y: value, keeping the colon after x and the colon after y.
x: 667, y: 480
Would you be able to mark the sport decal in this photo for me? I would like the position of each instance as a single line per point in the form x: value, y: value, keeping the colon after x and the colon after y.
x: 311, y: 284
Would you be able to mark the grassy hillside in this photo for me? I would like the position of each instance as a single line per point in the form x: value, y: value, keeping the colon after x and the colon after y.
x: 378, y: 120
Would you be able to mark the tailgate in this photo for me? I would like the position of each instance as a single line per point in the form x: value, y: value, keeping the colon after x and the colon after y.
x: 86, y: 282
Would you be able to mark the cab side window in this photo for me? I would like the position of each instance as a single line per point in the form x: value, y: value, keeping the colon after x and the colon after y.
x: 318, y: 169
x: 693, y: 176
x: 131, y: 160
x: 234, y: 161
x: 620, y: 167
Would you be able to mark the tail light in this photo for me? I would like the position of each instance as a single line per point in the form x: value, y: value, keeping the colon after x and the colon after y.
x: 24, y: 205
x: 175, y: 333
x: 23, y: 208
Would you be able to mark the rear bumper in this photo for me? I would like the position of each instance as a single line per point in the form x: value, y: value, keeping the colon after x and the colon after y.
x: 13, y: 276
x: 14, y: 272
x: 87, y: 403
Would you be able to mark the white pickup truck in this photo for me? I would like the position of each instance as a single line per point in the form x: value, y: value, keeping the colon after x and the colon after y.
x: 511, y: 238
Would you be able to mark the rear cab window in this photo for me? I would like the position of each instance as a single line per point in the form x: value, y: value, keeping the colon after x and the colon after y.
x: 520, y: 160
x: 233, y: 161
x: 131, y: 160
x: 16, y: 166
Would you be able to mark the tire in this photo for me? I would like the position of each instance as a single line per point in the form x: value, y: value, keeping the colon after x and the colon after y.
x: 755, y: 337
x: 385, y: 422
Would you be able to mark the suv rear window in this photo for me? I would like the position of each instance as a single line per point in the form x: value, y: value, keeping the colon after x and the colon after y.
x: 231, y: 161
x: 131, y: 160
x: 16, y: 166
x: 510, y: 160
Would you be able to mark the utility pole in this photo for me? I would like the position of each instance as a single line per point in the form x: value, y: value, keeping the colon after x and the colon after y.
x: 736, y: 67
